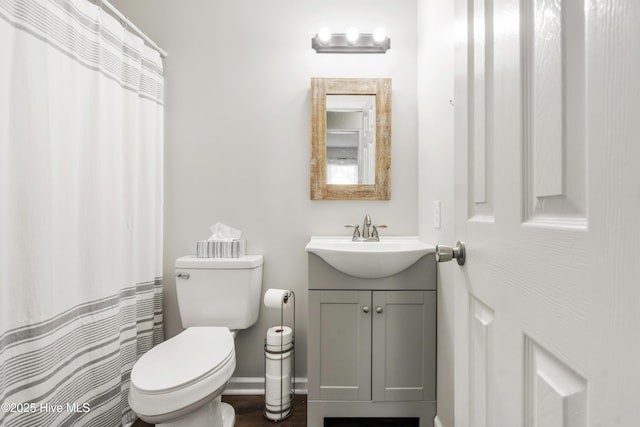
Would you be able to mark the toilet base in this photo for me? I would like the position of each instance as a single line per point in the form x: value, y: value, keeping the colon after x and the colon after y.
x: 213, y: 414
x: 228, y: 415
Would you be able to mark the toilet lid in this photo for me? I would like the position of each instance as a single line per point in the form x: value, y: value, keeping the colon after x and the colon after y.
x: 183, y: 359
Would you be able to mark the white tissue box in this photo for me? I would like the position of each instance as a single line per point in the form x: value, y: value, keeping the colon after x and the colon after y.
x: 221, y: 249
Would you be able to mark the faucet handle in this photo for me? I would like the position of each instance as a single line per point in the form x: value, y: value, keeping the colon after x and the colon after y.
x: 356, y: 230
x: 374, y: 233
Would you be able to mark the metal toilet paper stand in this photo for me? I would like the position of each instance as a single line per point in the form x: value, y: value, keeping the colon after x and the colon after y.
x: 285, y: 410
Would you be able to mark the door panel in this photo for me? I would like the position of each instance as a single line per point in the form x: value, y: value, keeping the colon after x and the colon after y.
x: 481, y: 140
x: 480, y: 361
x: 339, y: 345
x: 555, y: 395
x: 553, y: 105
x: 548, y: 203
x: 403, y: 352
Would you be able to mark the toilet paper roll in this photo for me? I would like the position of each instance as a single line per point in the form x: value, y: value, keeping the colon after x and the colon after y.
x: 277, y: 298
x: 279, y: 338
x: 277, y: 414
x: 278, y: 407
x: 274, y: 395
x: 276, y: 349
x: 276, y: 368
x: 278, y: 372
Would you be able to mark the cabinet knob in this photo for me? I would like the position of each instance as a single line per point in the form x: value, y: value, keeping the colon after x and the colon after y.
x: 378, y: 310
x: 365, y: 309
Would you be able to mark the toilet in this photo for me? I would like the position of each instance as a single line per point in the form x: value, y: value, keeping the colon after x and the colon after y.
x: 180, y: 381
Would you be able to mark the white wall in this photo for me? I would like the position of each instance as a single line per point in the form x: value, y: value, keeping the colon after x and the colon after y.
x: 435, y: 130
x: 237, y: 133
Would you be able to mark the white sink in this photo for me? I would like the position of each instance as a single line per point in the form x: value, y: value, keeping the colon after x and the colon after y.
x: 369, y: 260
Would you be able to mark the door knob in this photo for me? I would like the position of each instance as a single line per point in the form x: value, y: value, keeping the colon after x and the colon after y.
x: 378, y: 310
x: 447, y: 253
x: 365, y: 309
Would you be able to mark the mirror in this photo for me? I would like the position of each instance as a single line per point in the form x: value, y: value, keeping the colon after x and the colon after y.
x: 350, y: 139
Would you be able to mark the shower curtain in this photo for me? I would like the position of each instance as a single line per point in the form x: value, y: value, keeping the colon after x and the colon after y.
x: 81, y: 146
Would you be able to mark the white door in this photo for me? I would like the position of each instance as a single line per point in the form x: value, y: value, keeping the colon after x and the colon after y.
x: 547, y: 146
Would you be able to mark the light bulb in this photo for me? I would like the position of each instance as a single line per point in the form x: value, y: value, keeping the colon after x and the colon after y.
x: 379, y: 35
x: 352, y: 34
x: 324, y: 34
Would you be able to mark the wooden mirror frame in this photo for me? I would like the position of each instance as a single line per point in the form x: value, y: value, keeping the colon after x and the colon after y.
x: 320, y: 88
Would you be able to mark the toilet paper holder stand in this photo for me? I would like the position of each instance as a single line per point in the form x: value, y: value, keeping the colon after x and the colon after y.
x: 285, y: 410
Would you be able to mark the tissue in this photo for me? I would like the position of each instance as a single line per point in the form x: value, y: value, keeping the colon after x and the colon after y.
x: 225, y: 242
x: 224, y: 233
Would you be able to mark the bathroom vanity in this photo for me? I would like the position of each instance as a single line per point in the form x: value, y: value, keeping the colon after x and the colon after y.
x: 372, y: 342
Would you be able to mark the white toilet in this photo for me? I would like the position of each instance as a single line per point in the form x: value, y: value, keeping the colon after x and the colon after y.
x: 179, y: 382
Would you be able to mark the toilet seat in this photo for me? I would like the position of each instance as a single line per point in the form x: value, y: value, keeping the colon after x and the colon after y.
x: 182, y: 371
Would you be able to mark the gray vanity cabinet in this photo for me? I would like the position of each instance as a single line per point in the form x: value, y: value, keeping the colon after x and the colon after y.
x: 372, y: 345
x: 339, y: 345
x: 403, y: 349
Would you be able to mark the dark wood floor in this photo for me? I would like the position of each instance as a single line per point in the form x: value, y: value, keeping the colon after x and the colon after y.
x: 249, y: 412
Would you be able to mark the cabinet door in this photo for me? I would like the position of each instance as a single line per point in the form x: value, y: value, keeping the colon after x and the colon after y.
x: 339, y: 345
x: 404, y: 345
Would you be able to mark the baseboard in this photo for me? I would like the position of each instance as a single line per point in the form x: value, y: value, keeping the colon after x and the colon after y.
x: 437, y: 422
x: 255, y: 385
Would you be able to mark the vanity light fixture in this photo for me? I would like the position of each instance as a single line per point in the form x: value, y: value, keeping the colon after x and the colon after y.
x: 324, y: 35
x: 352, y: 35
x: 379, y: 35
x: 351, y: 41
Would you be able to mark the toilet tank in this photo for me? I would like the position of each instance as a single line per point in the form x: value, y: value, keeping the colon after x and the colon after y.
x: 219, y: 291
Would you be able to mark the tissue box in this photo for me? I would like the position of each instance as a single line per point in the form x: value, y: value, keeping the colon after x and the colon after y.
x: 221, y: 249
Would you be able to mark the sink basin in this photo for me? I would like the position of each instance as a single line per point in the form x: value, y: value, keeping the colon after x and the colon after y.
x: 369, y: 260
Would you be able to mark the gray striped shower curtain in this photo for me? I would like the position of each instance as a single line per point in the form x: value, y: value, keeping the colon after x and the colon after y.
x: 81, y: 155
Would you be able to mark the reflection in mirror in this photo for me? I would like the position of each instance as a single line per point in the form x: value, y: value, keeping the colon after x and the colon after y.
x: 351, y: 139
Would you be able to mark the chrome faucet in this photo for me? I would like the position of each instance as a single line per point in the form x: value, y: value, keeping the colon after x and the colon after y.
x: 369, y: 231
x: 366, y: 227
